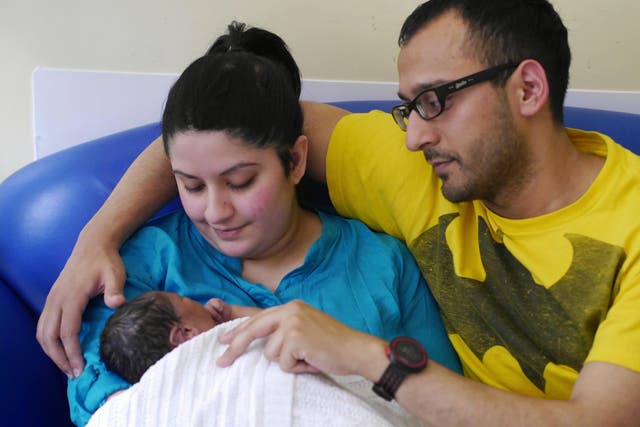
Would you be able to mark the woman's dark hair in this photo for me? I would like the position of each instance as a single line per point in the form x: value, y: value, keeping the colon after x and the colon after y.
x: 503, y: 31
x: 239, y: 92
x: 259, y: 42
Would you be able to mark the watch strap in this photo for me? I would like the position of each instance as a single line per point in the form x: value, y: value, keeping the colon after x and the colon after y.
x: 390, y: 381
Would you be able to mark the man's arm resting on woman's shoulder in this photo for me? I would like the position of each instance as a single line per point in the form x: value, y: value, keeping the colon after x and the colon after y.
x: 95, y: 265
x: 302, y: 339
x: 319, y: 122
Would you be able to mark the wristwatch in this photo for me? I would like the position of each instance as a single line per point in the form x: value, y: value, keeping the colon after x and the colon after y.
x: 406, y: 356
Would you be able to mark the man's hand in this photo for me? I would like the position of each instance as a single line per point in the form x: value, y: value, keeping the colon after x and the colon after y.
x: 95, y: 265
x: 303, y: 339
x: 89, y: 271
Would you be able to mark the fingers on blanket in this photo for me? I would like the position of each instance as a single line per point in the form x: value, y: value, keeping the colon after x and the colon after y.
x: 260, y: 325
x: 284, y: 328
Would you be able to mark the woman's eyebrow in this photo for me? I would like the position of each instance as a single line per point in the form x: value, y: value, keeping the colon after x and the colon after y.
x: 225, y: 172
x: 237, y: 166
x: 186, y: 175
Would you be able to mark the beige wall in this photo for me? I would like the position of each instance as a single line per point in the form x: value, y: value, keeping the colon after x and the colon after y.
x: 331, y: 39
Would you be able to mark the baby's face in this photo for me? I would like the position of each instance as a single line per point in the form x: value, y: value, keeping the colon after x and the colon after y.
x: 191, y: 312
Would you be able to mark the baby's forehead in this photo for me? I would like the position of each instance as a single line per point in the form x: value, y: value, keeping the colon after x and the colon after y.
x: 178, y: 301
x: 163, y: 295
x: 166, y: 297
x: 171, y: 297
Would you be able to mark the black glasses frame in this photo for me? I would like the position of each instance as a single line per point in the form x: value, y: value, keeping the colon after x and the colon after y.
x: 401, y: 112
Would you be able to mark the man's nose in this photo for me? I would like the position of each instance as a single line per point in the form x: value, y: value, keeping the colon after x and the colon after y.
x: 420, y: 132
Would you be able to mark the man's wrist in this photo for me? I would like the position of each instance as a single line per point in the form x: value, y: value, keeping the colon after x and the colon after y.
x: 406, y: 357
x: 373, y: 360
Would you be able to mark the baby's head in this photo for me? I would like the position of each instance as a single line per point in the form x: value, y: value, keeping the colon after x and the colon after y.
x: 146, y: 328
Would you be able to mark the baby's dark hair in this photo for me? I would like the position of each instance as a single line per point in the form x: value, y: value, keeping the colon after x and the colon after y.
x: 137, y: 335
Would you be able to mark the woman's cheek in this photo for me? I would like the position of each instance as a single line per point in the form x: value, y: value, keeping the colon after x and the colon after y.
x: 192, y: 208
x: 263, y: 202
x: 258, y: 204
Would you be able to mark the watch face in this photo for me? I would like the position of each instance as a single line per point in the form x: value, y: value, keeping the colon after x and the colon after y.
x: 408, y: 353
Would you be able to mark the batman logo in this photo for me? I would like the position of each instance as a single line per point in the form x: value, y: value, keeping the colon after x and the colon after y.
x: 537, y: 325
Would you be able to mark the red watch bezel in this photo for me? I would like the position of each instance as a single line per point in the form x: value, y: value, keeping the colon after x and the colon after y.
x: 400, y: 366
x: 400, y: 360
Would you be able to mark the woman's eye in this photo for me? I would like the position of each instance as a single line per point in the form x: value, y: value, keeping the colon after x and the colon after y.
x: 194, y: 188
x: 240, y: 185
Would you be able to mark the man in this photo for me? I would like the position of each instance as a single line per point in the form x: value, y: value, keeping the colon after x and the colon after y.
x: 525, y: 232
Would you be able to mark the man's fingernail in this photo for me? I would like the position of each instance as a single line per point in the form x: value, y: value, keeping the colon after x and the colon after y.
x: 76, y: 372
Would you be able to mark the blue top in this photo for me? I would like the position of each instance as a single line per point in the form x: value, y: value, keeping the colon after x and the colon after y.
x: 367, y: 280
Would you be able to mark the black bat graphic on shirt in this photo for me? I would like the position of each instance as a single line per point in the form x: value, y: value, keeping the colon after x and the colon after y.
x: 535, y: 324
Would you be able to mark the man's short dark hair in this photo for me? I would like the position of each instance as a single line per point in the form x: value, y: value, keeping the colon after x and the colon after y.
x: 503, y: 31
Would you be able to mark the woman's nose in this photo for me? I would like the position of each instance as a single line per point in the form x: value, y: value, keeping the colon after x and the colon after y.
x: 218, y: 207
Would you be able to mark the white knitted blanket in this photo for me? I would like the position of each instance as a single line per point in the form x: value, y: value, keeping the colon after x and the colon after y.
x: 186, y: 388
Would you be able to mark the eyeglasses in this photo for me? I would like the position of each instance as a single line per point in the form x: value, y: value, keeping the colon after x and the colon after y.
x: 430, y: 102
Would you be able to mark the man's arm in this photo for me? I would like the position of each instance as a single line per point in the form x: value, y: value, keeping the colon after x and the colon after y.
x: 95, y: 265
x: 604, y: 395
x: 319, y: 122
x: 302, y: 339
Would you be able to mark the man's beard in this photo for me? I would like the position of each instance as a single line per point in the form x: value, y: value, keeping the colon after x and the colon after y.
x: 500, y: 165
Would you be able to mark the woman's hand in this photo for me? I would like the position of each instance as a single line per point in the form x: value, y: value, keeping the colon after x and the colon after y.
x: 90, y: 270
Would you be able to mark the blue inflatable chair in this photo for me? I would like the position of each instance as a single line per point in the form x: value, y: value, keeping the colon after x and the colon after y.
x: 44, y: 205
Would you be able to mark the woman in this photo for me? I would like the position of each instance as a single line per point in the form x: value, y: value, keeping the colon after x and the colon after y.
x: 232, y: 127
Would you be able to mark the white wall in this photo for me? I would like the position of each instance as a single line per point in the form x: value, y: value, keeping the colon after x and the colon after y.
x: 331, y: 39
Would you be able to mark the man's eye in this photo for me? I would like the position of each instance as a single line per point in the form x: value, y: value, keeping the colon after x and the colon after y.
x: 449, y: 101
x: 429, y: 101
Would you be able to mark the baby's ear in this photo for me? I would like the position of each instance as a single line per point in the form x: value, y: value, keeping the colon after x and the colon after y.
x: 181, y: 333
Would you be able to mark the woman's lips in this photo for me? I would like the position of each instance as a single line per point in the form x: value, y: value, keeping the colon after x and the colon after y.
x: 228, y: 233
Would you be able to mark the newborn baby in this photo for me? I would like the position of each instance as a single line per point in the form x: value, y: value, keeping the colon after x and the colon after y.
x: 182, y: 386
x: 146, y: 328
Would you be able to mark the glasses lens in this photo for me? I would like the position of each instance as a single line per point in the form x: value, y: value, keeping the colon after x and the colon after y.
x: 428, y: 105
x: 400, y: 114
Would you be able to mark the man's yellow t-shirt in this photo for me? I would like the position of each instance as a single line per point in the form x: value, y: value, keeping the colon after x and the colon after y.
x: 526, y: 302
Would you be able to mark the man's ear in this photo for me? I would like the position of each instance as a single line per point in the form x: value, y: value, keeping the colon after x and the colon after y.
x: 299, y: 158
x: 181, y: 333
x: 532, y: 87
